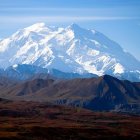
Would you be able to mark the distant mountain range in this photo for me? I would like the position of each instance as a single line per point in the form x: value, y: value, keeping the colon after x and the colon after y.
x: 26, y: 72
x: 104, y: 93
x: 69, y: 52
x: 71, y: 66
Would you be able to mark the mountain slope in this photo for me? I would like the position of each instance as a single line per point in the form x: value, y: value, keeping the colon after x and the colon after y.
x: 72, y: 49
x: 103, y: 93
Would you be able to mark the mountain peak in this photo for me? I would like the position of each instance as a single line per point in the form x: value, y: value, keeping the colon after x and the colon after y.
x: 35, y: 26
x: 106, y: 77
x: 74, y: 26
x: 72, y: 49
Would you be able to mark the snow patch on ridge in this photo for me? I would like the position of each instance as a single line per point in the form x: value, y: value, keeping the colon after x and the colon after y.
x: 118, y: 69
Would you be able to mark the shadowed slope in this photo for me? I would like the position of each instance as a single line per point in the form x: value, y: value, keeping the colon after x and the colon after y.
x: 103, y: 93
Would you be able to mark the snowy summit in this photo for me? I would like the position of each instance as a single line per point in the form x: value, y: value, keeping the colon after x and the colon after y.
x: 71, y: 49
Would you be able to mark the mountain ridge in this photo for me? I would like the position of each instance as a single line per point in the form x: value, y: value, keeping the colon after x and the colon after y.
x: 72, y: 50
x: 104, y: 93
x: 27, y: 72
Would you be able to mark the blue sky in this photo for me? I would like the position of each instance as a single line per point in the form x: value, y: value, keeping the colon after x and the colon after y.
x: 118, y: 19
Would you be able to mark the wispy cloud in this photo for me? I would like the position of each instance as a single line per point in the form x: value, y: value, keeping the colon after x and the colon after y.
x: 99, y: 11
x: 28, y: 19
x: 31, y: 15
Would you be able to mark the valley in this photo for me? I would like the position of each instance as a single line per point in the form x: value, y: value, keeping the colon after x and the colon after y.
x: 22, y: 120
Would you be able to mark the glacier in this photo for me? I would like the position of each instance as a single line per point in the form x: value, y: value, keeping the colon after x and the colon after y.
x: 72, y: 49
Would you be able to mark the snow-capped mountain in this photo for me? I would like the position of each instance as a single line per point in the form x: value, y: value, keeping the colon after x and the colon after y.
x: 72, y: 49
